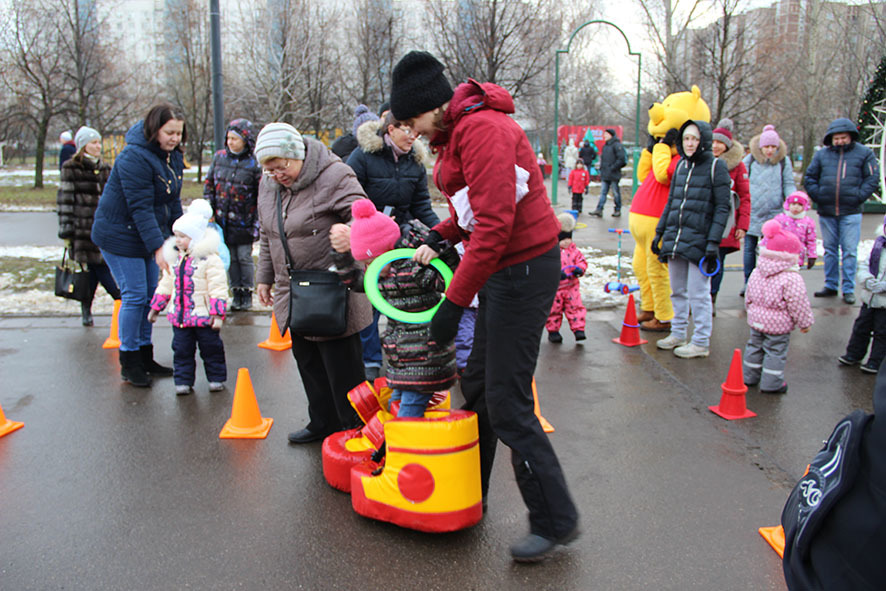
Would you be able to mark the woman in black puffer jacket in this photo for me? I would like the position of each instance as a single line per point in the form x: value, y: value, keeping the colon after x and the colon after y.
x: 688, y: 237
x: 83, y: 178
x: 390, y: 166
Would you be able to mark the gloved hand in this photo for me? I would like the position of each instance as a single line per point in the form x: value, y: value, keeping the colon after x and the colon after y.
x: 217, y: 322
x: 651, y: 143
x: 711, y: 254
x: 656, y: 245
x: 577, y: 272
x: 563, y: 276
x: 671, y: 137
x: 444, y: 324
x: 433, y: 240
x: 152, y: 315
x: 810, y: 262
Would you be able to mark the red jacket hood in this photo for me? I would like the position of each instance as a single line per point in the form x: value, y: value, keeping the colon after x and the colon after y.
x: 470, y: 96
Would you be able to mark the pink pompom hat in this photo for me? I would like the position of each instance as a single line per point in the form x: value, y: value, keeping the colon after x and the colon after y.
x: 372, y: 232
x: 779, y: 240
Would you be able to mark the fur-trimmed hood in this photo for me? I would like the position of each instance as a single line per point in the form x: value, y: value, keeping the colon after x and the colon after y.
x: 206, y: 246
x: 370, y: 138
x: 758, y: 155
x: 733, y: 156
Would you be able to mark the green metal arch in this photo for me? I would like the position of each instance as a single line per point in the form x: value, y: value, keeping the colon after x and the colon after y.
x: 555, y: 172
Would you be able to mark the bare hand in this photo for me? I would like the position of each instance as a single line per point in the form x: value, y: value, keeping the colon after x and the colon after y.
x: 152, y: 316
x: 217, y: 322
x: 265, y: 297
x: 804, y: 330
x: 340, y: 237
x: 161, y: 260
x: 424, y: 254
x: 739, y: 234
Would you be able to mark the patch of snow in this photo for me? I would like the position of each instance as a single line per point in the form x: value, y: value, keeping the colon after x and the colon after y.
x: 43, y: 253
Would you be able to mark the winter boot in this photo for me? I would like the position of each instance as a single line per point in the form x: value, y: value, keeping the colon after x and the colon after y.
x: 86, y: 313
x: 246, y: 299
x: 235, y: 300
x: 151, y: 366
x: 132, y: 369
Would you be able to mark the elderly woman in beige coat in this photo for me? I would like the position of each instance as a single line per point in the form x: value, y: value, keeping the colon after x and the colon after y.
x: 316, y: 190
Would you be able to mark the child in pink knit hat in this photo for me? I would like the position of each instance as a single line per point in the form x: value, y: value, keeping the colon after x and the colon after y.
x: 794, y: 220
x: 776, y: 302
x: 417, y: 366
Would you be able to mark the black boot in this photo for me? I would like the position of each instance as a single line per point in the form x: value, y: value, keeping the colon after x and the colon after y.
x: 86, y: 313
x: 235, y: 299
x: 151, y: 366
x: 246, y: 299
x: 132, y: 369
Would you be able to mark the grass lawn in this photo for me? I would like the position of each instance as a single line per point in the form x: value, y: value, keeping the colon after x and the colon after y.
x: 45, y: 197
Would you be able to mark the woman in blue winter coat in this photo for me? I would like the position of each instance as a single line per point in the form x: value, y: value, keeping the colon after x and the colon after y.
x: 771, y: 180
x: 688, y: 237
x: 134, y: 217
x: 390, y: 166
x: 231, y: 187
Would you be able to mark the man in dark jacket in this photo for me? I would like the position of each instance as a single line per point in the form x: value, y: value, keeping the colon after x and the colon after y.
x: 612, y: 160
x: 840, y: 178
x: 587, y: 154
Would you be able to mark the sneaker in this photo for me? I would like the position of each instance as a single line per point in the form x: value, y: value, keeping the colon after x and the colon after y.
x: 847, y: 360
x: 691, y: 350
x: 596, y: 214
x: 616, y: 213
x: 671, y: 341
x: 216, y: 386
x: 580, y: 335
x: 826, y: 292
x: 869, y: 368
x: 183, y: 390
x: 534, y: 548
x: 782, y: 390
x: 555, y: 337
x: 849, y: 298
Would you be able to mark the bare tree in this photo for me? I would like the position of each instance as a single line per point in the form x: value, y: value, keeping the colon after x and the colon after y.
x: 508, y: 43
x: 34, y: 63
x: 101, y: 95
x: 374, y: 44
x: 189, y: 71
x: 668, y: 23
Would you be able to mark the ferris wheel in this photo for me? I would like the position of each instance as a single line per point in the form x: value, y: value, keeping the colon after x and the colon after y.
x: 877, y: 142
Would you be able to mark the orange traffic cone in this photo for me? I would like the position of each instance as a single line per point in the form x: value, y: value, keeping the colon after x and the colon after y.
x: 246, y: 421
x: 630, y: 329
x: 276, y: 342
x: 732, y: 403
x: 775, y: 537
x: 7, y: 426
x: 113, y: 340
x: 548, y: 428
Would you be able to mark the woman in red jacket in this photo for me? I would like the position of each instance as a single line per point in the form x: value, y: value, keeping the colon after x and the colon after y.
x: 730, y: 151
x: 511, y: 258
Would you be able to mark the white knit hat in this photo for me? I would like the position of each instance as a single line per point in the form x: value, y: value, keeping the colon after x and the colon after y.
x: 201, y: 207
x: 279, y: 140
x: 84, y: 136
x: 192, y: 225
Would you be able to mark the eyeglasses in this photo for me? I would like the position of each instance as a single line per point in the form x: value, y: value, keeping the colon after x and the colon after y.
x: 408, y: 131
x: 275, y: 172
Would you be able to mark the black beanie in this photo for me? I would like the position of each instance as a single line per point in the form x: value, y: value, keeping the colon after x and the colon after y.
x: 611, y: 132
x: 418, y: 85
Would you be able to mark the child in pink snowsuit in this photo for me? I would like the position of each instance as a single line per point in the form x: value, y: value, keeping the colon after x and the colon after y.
x: 568, y: 298
x: 776, y: 302
x: 795, y: 221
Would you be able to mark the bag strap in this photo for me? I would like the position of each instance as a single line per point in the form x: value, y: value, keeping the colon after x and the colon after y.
x: 279, y: 200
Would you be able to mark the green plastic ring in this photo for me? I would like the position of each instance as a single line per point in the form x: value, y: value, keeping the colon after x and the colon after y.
x: 370, y: 286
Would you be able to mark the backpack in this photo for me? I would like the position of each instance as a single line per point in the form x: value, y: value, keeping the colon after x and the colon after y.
x: 734, y: 203
x: 830, y: 475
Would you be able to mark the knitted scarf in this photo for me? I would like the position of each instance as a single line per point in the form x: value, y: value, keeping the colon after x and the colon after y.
x: 874, y: 264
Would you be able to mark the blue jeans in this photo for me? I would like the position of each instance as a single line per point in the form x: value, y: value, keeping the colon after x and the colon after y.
x: 750, y: 255
x: 371, y: 342
x: 616, y: 195
x: 841, y: 234
x: 137, y: 279
x: 412, y: 404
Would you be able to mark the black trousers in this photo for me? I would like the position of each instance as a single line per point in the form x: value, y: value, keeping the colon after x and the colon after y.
x: 100, y: 273
x: 496, y: 385
x: 577, y: 201
x: 871, y: 322
x: 184, y: 349
x: 329, y: 370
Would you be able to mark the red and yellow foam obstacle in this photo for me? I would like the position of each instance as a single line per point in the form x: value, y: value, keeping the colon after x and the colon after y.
x: 345, y: 449
x: 430, y: 480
